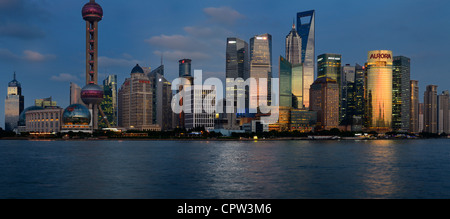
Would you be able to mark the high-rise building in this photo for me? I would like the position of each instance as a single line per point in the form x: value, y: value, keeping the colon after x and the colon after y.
x: 414, y: 107
x: 185, y: 67
x: 286, y: 95
x: 109, y: 104
x: 324, y: 95
x: 443, y: 112
x: 378, y: 91
x: 421, y: 117
x: 261, y: 67
x: 75, y: 94
x: 306, y: 30
x: 14, y: 105
x: 135, y: 102
x: 359, y: 90
x: 401, y: 93
x: 199, y: 115
x: 92, y: 94
x: 329, y: 65
x: 237, y: 66
x: 294, y: 47
x: 348, y: 91
x: 162, y: 98
x: 430, y: 109
x: 294, y: 57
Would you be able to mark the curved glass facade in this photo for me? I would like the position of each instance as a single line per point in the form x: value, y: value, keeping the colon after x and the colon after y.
x: 379, y: 91
x: 76, y: 114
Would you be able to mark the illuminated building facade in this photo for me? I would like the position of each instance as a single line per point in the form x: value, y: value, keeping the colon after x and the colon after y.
x: 237, y: 66
x: 109, y: 104
x: 378, y: 91
x: 414, y: 107
x: 306, y: 30
x: 14, y: 105
x: 46, y: 120
x: 324, y: 93
x: 261, y: 66
x: 401, y: 93
x: 430, y: 109
x: 348, y: 91
x: 75, y: 118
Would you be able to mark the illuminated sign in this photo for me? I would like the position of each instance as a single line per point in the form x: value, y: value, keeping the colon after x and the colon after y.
x: 232, y: 42
x: 380, y: 56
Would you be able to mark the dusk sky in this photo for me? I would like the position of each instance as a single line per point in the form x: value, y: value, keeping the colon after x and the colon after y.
x: 43, y: 41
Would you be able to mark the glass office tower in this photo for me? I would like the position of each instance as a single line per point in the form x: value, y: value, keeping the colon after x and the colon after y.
x: 237, y: 66
x: 261, y: 66
x: 378, y: 92
x: 401, y: 93
x: 306, y: 30
x: 14, y: 105
x: 285, y: 71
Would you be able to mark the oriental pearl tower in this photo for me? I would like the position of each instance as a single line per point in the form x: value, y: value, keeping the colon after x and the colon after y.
x: 92, y: 94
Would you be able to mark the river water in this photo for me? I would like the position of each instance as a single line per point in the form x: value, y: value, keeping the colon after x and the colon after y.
x: 103, y: 169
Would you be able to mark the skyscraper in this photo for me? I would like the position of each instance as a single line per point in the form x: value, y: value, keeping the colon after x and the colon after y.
x: 430, y: 109
x: 294, y: 47
x: 135, y: 102
x: 237, y: 66
x: 414, y: 107
x: 14, y: 105
x: 324, y: 95
x: 161, y: 99
x: 378, y: 91
x: 329, y: 65
x: 401, y: 93
x: 75, y: 94
x: 443, y: 111
x: 109, y: 104
x: 92, y: 94
x: 348, y: 91
x: 306, y: 30
x: 261, y: 66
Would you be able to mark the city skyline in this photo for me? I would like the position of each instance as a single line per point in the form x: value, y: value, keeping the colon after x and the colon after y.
x: 43, y: 42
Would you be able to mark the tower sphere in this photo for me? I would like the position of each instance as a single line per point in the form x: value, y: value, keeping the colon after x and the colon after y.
x: 92, y: 12
x: 92, y: 94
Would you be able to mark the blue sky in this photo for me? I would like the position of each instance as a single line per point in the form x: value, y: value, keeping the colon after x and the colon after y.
x: 44, y: 41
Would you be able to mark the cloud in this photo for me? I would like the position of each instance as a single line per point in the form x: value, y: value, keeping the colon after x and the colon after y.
x: 64, y: 77
x: 28, y: 55
x: 36, y: 56
x: 223, y: 15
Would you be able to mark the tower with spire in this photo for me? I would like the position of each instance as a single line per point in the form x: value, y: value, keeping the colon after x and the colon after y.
x: 14, y: 104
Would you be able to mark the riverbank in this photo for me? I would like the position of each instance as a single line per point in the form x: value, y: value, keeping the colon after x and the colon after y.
x: 310, y: 138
